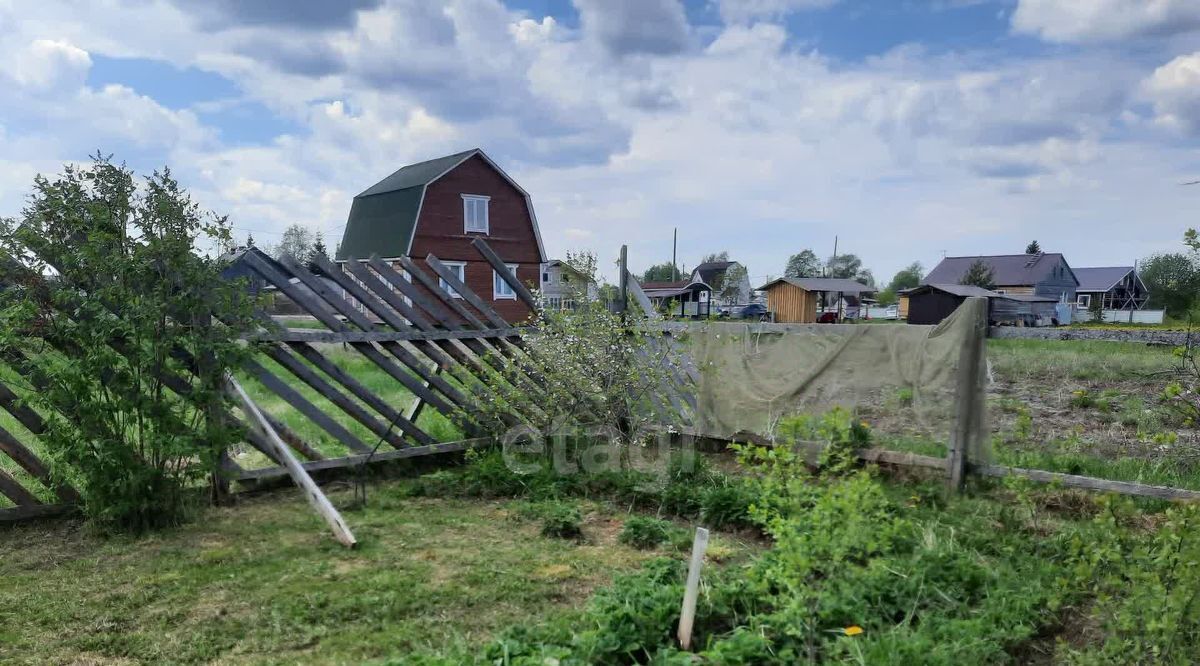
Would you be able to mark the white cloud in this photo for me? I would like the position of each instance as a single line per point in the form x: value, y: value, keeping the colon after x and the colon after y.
x: 45, y: 64
x: 1174, y: 88
x: 741, y: 11
x: 1104, y: 20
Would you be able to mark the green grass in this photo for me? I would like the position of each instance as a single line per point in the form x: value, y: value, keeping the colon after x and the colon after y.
x: 263, y: 582
x: 1078, y: 359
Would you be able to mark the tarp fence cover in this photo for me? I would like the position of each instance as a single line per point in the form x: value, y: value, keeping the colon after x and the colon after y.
x: 901, y: 379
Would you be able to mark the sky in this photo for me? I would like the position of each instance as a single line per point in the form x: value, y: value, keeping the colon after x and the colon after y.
x: 906, y: 129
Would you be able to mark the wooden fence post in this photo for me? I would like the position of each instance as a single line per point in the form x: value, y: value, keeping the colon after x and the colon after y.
x: 691, y: 590
x: 623, y: 282
x: 969, y: 408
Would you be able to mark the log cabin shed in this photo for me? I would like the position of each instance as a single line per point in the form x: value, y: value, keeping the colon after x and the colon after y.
x: 798, y: 300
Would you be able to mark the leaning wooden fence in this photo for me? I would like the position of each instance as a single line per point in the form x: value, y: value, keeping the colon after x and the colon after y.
x: 419, y: 324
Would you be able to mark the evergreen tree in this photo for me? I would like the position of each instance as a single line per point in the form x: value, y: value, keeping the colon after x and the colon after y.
x: 980, y: 275
x: 1033, y: 248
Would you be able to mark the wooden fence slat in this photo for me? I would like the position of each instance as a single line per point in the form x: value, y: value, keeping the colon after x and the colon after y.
x: 21, y: 455
x: 435, y: 288
x: 382, y: 456
x: 505, y: 274
x: 27, y: 417
x: 302, y: 372
x: 302, y: 405
x: 10, y: 488
x: 406, y: 424
x: 642, y: 299
x: 461, y: 289
x: 312, y: 492
x: 316, y: 335
x: 35, y: 512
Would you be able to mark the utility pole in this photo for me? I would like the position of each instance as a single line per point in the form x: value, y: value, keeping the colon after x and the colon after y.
x: 674, y: 248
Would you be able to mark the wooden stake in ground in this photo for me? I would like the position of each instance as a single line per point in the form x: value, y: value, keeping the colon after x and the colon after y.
x: 312, y: 492
x: 688, y: 615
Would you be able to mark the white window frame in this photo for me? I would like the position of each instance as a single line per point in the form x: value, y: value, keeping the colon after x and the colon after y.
x: 499, y: 285
x: 476, y: 201
x: 461, y: 267
x: 1083, y: 301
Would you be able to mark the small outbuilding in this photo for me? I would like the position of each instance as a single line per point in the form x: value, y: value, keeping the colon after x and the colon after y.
x: 931, y: 303
x: 683, y: 298
x: 803, y: 300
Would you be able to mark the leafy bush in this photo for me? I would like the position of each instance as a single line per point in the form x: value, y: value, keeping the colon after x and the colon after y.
x: 132, y: 307
x: 562, y: 521
x: 644, y: 532
x: 726, y: 505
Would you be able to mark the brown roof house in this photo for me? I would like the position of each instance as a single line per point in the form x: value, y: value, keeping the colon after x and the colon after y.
x: 1043, y: 274
x: 438, y: 207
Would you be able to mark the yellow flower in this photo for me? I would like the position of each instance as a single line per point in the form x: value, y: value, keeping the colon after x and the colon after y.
x: 853, y: 630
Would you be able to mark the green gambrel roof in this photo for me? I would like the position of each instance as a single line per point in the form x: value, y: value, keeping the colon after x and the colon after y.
x: 417, y: 175
x: 383, y: 216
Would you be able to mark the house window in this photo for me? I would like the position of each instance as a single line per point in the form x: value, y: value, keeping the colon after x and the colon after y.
x: 475, y: 213
x: 460, y: 271
x: 501, y: 289
x: 545, y: 277
x: 1084, y: 301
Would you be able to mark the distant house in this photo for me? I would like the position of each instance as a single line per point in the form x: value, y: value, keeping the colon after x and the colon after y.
x: 437, y: 207
x: 1045, y: 274
x: 563, y: 286
x: 713, y: 273
x: 803, y: 300
x: 682, y: 298
x: 1114, y: 287
x: 931, y: 303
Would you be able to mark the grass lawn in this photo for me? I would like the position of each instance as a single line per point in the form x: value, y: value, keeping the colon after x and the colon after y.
x: 263, y: 582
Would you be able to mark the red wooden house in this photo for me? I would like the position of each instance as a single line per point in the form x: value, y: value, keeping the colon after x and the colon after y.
x: 438, y: 207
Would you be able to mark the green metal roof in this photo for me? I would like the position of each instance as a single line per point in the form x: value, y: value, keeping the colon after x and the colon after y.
x: 414, y: 175
x: 381, y: 224
x: 383, y: 217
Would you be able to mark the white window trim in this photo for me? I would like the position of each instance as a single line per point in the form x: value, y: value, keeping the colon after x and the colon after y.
x: 487, y: 225
x: 462, y: 275
x: 1081, y: 303
x: 497, y: 281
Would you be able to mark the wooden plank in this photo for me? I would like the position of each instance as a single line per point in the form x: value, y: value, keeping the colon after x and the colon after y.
x: 35, y: 512
x: 10, y: 488
x: 1087, y: 482
x: 505, y: 274
x: 455, y: 304
x: 21, y: 455
x: 302, y: 405
x: 13, y: 404
x: 413, y: 384
x: 331, y: 393
x: 405, y: 423
x: 462, y: 290
x: 382, y: 456
x: 292, y: 291
x: 642, y: 299
x: 312, y: 492
x: 343, y: 306
x: 316, y: 335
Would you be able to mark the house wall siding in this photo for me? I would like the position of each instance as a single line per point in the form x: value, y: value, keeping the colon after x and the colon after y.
x: 441, y: 231
x: 1054, y: 287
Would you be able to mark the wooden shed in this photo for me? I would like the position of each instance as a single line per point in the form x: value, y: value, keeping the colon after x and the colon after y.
x: 931, y: 303
x: 801, y: 300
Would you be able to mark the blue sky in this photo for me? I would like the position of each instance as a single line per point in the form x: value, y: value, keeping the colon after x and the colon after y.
x: 907, y: 128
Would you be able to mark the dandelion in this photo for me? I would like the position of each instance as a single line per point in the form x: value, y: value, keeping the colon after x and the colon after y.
x: 853, y: 630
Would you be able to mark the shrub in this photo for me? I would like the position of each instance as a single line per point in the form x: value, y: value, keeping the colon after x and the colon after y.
x: 726, y: 505
x: 644, y: 532
x: 132, y: 307
x: 562, y: 521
